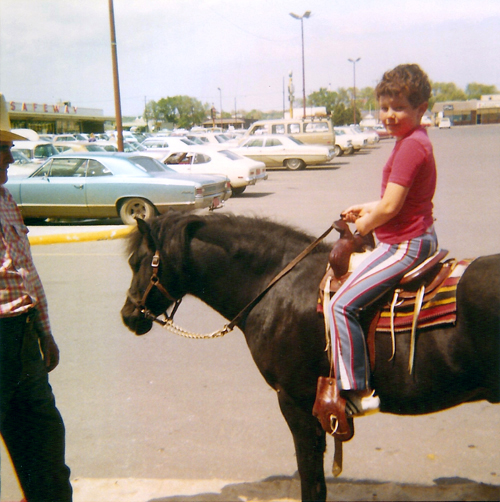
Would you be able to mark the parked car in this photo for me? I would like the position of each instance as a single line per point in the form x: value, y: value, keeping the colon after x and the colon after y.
x: 69, y: 137
x: 36, y: 151
x: 308, y: 131
x: 167, y: 142
x: 426, y: 121
x: 20, y: 158
x: 343, y: 144
x: 112, y: 146
x: 240, y: 170
x: 371, y: 137
x: 78, y: 146
x: 22, y: 166
x: 445, y: 123
x: 210, y: 138
x: 277, y: 150
x: 380, y: 130
x: 358, y: 141
x: 107, y: 185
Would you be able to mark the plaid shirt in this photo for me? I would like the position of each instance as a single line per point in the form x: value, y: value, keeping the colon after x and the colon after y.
x: 20, y: 285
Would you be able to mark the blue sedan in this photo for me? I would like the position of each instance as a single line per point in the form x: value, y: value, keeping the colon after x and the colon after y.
x: 107, y: 185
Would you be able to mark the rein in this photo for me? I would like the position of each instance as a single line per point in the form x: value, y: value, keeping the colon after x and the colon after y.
x: 168, y: 322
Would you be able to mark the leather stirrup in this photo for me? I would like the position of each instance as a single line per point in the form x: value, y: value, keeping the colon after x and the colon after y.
x: 329, y: 409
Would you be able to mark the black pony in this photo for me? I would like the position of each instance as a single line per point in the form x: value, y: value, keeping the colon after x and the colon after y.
x: 226, y: 261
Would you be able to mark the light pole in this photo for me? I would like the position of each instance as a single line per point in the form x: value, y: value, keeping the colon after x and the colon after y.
x: 220, y: 94
x: 306, y: 14
x: 354, y: 61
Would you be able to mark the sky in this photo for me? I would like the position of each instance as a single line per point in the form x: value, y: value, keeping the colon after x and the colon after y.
x: 60, y: 50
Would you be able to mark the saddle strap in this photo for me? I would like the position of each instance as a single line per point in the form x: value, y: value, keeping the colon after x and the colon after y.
x: 418, y: 306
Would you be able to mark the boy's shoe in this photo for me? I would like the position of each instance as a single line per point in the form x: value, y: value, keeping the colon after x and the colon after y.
x: 359, y: 404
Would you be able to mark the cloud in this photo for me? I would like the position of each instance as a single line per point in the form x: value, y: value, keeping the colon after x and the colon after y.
x: 61, y: 49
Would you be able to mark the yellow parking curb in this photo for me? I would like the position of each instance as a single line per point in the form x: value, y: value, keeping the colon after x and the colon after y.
x: 99, y: 235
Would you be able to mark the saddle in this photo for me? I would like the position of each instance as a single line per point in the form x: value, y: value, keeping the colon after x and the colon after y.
x: 416, y: 288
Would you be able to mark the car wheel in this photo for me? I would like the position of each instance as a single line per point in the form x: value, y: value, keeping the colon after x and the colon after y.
x: 338, y: 151
x: 134, y: 208
x: 294, y: 164
x: 237, y: 190
x: 350, y: 151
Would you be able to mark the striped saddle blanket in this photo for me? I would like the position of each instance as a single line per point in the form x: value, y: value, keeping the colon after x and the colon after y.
x: 438, y: 309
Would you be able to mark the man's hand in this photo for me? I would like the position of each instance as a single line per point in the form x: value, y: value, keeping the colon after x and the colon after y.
x: 50, y: 352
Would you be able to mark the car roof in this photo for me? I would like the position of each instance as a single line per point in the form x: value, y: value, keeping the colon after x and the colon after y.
x: 29, y: 144
x: 265, y: 136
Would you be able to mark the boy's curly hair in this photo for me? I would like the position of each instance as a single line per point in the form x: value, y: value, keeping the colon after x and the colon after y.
x: 408, y: 80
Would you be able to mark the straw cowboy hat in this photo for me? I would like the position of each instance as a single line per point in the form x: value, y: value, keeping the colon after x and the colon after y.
x: 5, y: 133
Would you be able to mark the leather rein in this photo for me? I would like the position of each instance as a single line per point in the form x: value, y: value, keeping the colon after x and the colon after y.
x: 154, y: 282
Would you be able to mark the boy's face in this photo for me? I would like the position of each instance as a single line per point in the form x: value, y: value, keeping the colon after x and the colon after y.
x: 398, y: 115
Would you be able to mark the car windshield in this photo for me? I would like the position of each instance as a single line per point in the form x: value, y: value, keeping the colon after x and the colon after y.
x: 231, y: 155
x: 19, y: 157
x: 44, y: 151
x: 95, y: 148
x: 196, y: 140
x: 149, y: 164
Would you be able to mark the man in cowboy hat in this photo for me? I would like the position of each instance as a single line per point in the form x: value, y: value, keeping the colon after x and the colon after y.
x: 30, y: 424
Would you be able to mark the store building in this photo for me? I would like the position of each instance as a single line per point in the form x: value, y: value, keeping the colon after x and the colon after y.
x: 475, y: 111
x: 57, y: 118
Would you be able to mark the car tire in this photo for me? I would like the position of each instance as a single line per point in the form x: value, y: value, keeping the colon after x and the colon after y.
x: 295, y: 164
x: 338, y: 151
x: 350, y: 151
x: 237, y: 190
x: 135, y: 207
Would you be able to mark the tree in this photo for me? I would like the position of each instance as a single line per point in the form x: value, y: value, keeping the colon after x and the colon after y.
x: 325, y: 98
x: 475, y: 90
x: 181, y: 111
x: 367, y: 98
x: 254, y: 115
x: 446, y: 91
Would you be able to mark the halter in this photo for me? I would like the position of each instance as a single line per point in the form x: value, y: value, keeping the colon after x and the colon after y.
x: 154, y: 282
x: 168, y: 323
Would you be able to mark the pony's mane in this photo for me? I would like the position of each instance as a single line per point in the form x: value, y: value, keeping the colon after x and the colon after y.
x: 265, y: 238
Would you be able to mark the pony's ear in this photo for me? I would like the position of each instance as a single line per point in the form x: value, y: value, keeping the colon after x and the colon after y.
x: 145, y: 229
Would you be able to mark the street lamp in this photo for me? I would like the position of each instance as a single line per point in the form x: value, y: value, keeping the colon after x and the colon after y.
x: 354, y: 61
x: 220, y: 94
x: 306, y: 14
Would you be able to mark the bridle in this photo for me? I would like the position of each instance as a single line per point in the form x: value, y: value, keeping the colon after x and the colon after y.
x: 154, y: 282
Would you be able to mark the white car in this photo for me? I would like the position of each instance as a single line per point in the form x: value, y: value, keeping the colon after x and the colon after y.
x: 167, y: 142
x: 343, y: 144
x: 445, y: 123
x: 241, y: 171
x: 358, y: 140
x: 371, y: 136
x: 278, y: 150
x: 36, y: 151
x: 210, y: 138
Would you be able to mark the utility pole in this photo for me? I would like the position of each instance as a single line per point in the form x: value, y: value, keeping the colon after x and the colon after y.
x: 118, y: 110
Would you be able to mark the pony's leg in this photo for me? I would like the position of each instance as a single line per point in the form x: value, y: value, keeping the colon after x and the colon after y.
x: 310, y: 445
